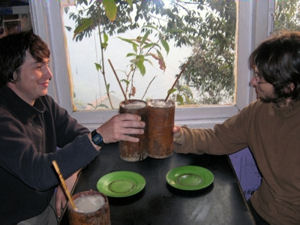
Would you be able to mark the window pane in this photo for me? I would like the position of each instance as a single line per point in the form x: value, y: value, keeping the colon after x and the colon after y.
x: 287, y: 15
x: 151, y: 41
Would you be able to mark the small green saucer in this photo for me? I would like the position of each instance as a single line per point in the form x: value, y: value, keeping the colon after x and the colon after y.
x: 121, y: 184
x: 190, y: 178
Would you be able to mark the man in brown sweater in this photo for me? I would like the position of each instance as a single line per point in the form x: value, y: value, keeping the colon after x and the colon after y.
x: 270, y: 127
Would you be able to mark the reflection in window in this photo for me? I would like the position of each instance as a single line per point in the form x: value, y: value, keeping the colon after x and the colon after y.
x: 148, y: 44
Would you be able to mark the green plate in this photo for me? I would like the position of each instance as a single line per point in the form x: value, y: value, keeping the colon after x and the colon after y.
x: 190, y: 178
x: 121, y: 184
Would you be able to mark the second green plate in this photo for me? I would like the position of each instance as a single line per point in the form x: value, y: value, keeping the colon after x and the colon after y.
x: 121, y: 184
x: 189, y: 178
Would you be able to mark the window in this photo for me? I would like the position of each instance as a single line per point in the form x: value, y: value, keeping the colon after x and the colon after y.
x: 250, y: 30
x: 287, y: 15
x: 175, y: 32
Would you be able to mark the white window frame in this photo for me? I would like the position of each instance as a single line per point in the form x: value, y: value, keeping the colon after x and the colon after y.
x: 254, y: 24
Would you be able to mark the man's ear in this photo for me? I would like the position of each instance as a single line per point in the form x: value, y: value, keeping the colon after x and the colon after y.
x: 14, y: 76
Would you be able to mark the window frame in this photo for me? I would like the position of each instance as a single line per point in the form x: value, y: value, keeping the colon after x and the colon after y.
x: 254, y: 24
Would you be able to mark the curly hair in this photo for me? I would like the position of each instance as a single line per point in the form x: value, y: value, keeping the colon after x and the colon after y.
x: 277, y: 60
x: 13, y: 51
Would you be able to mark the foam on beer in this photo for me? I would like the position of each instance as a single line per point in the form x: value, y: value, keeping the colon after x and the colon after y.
x: 89, y: 203
x: 134, y: 105
x: 160, y: 103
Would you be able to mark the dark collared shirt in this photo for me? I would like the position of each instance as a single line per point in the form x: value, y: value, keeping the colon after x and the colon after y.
x: 29, y: 137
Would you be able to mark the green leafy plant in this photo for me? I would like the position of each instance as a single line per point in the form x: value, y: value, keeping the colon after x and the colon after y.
x: 93, y: 15
x: 144, y: 50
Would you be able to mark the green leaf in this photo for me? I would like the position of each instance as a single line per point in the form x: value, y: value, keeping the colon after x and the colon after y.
x: 141, y: 67
x: 149, y: 45
x: 179, y: 99
x: 129, y: 2
x: 140, y: 64
x: 145, y: 37
x: 135, y: 47
x: 170, y: 91
x: 150, y: 26
x: 165, y: 45
x: 159, y: 54
x: 98, y: 67
x: 127, y: 40
x: 125, y: 81
x: 104, y: 45
x: 68, y: 28
x: 110, y: 9
x: 130, y: 41
x: 130, y: 54
x: 107, y: 88
x: 105, y: 37
x: 84, y: 24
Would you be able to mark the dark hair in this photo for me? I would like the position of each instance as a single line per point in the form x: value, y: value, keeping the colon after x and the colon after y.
x: 277, y: 60
x: 13, y: 51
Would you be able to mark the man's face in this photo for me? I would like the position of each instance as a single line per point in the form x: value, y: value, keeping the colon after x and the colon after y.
x: 264, y: 90
x: 33, y: 79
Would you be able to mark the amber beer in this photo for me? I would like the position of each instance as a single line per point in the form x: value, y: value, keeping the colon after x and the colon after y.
x: 160, y: 123
x: 92, y: 208
x: 134, y: 151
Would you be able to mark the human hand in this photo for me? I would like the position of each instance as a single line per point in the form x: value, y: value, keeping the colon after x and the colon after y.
x: 176, y: 132
x: 119, y: 128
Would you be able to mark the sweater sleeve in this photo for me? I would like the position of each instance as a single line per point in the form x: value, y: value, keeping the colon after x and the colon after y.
x: 224, y: 138
x: 20, y: 157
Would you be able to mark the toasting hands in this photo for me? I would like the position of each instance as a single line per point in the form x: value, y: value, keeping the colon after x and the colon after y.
x: 120, y: 127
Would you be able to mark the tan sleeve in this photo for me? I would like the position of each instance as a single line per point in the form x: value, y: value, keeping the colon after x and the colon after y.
x: 225, y: 138
x: 186, y: 141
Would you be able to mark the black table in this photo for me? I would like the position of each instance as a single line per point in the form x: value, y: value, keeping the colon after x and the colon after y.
x: 222, y: 203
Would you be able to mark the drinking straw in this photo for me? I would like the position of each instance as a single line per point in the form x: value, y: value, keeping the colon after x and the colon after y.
x: 111, y: 65
x: 63, y: 183
x: 183, y: 68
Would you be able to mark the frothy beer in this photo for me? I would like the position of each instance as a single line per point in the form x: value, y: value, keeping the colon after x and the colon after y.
x: 92, y: 208
x: 160, y: 103
x: 134, y: 105
x: 89, y: 203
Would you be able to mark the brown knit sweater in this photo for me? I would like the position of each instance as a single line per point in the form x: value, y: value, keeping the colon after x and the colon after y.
x: 273, y: 135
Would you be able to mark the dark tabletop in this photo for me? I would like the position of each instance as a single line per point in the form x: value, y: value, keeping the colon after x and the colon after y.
x: 222, y: 203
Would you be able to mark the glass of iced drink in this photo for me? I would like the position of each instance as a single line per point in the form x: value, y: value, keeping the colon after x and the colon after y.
x: 92, y: 208
x: 160, y: 123
x: 134, y: 151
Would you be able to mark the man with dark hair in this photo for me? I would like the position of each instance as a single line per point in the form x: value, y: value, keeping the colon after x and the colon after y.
x: 33, y: 126
x: 270, y: 127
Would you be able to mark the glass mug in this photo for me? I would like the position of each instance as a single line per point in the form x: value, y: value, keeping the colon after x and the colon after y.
x: 134, y: 151
x: 160, y: 123
x: 92, y: 208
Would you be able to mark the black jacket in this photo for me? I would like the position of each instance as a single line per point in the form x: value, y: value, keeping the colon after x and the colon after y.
x: 29, y: 139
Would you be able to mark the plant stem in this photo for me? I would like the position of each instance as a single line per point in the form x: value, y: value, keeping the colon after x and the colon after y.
x: 103, y: 67
x: 179, y: 75
x: 148, y: 87
x: 112, y: 67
